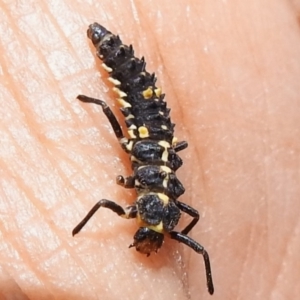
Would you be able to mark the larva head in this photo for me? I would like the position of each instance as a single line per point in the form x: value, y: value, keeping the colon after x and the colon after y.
x: 147, y: 240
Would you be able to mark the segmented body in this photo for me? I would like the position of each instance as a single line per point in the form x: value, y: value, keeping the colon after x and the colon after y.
x: 146, y: 114
x: 142, y: 103
x: 151, y: 146
x: 150, y: 129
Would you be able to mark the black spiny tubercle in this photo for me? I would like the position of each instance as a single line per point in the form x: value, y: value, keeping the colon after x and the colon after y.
x: 152, y: 149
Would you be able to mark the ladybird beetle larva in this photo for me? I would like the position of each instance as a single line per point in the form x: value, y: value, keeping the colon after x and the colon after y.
x: 152, y: 149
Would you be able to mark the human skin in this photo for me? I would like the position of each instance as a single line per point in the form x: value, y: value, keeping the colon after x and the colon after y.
x: 231, y: 74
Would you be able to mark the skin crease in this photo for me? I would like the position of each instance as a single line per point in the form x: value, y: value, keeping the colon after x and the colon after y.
x: 231, y: 72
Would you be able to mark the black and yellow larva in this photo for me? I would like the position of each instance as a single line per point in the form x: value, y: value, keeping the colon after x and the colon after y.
x: 151, y: 146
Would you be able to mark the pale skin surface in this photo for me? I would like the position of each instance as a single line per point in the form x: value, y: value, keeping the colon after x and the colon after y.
x: 231, y: 73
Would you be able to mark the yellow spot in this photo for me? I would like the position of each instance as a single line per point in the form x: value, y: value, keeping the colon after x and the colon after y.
x: 157, y: 92
x: 161, y: 113
x: 120, y: 93
x: 114, y: 81
x: 164, y: 198
x: 158, y: 228
x: 129, y: 117
x: 164, y: 127
x: 148, y: 93
x: 165, y: 154
x: 107, y: 68
x: 124, y: 141
x: 165, y: 182
x: 166, y: 169
x: 164, y: 144
x: 141, y: 167
x: 174, y: 141
x: 133, y: 158
x: 106, y: 38
x: 132, y: 126
x: 137, y: 183
x: 129, y: 146
x: 123, y: 103
x: 131, y: 134
x: 143, y: 132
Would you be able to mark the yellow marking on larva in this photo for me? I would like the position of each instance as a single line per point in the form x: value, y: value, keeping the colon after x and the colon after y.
x: 107, y: 68
x: 131, y: 134
x: 120, y: 93
x: 161, y: 113
x: 164, y: 144
x: 164, y: 198
x: 105, y: 38
x: 164, y: 127
x: 143, y: 132
x: 132, y: 126
x: 165, y: 182
x: 148, y: 93
x: 129, y: 146
x: 123, y: 103
x: 165, y: 154
x: 158, y: 228
x: 168, y: 171
x: 141, y: 167
x: 174, y: 141
x: 114, y: 81
x: 124, y: 141
x: 136, y: 182
x: 157, y: 92
x: 129, y: 117
x: 133, y: 158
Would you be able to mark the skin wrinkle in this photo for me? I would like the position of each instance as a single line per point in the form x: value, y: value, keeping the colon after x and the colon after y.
x: 249, y: 178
